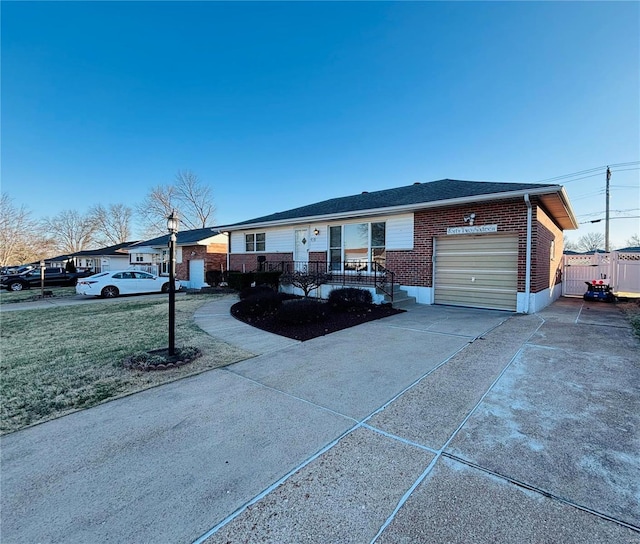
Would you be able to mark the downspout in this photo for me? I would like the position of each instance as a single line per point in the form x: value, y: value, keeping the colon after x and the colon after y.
x: 228, y: 253
x: 527, y: 275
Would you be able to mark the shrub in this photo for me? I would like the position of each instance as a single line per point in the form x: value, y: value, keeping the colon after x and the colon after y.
x: 301, y: 311
x: 214, y: 277
x: 259, y: 304
x: 240, y: 280
x: 349, y: 299
x: 271, y: 279
x: 258, y: 290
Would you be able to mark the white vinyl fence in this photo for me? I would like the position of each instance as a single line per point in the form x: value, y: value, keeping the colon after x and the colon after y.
x: 620, y: 269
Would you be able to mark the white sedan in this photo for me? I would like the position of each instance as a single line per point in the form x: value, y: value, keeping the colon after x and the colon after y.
x: 122, y: 282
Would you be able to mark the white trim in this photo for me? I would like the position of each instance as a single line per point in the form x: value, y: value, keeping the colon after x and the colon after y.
x: 537, y: 301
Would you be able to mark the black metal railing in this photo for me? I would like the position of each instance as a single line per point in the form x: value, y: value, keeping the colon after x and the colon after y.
x: 369, y: 273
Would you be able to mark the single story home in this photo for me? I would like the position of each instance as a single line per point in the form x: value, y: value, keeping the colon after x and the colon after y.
x: 103, y: 260
x: 197, y: 251
x: 464, y: 243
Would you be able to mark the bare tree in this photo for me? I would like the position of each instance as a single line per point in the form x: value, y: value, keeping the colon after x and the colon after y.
x: 591, y: 241
x: 70, y: 231
x: 195, y: 198
x: 188, y: 196
x: 634, y: 241
x: 112, y: 223
x: 305, y: 280
x: 570, y: 245
x: 20, y: 238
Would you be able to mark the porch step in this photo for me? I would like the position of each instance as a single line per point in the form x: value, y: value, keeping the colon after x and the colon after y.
x: 401, y: 299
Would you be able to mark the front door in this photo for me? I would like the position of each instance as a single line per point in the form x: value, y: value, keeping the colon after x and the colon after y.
x: 301, y: 250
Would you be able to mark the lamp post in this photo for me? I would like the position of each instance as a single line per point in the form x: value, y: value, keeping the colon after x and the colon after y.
x: 172, y: 227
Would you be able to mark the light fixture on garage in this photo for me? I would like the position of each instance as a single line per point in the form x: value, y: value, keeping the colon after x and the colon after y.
x: 470, y: 218
x: 316, y: 232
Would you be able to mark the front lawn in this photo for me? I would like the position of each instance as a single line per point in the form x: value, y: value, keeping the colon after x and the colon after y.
x: 57, y: 360
x: 29, y: 295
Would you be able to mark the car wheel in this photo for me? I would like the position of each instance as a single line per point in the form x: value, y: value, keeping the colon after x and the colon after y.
x: 17, y: 286
x: 165, y: 287
x: 110, y: 291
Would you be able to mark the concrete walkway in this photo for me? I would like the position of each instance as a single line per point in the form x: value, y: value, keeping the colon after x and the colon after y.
x: 437, y: 425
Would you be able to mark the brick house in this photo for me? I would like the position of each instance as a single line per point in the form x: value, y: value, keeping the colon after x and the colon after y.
x: 466, y: 243
x: 197, y: 251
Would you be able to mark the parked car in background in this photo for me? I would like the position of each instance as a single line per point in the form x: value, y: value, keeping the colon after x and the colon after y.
x: 123, y: 282
x: 6, y: 270
x: 31, y: 278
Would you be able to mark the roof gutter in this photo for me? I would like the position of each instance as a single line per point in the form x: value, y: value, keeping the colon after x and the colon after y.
x: 399, y: 209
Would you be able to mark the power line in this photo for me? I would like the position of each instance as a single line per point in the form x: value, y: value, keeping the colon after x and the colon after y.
x: 601, y: 169
x: 610, y: 218
x: 614, y: 211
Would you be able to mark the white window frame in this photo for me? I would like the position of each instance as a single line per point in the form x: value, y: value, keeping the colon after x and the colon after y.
x: 254, y: 245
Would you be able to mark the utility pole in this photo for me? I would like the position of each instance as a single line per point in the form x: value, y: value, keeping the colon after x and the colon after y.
x: 606, y: 224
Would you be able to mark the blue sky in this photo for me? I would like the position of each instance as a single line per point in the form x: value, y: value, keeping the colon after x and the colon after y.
x: 281, y: 104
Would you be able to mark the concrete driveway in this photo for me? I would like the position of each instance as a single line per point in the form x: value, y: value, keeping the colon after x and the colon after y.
x: 437, y: 425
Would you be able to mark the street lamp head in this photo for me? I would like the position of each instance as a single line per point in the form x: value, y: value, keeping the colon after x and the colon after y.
x: 172, y: 222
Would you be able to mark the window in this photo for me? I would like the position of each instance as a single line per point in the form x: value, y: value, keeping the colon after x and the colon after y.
x: 139, y: 258
x: 255, y: 242
x: 378, y: 240
x: 335, y: 248
x: 357, y: 246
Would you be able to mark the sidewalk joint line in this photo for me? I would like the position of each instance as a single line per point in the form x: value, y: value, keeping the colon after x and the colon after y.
x: 579, y: 312
x: 275, y: 485
x: 399, y: 438
x: 540, y: 491
x: 290, y: 395
x: 405, y: 498
x: 440, y: 452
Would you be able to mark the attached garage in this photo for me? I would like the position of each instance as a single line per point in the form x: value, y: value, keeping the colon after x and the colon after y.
x: 479, y: 271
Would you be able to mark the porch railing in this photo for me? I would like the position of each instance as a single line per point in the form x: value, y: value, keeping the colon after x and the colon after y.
x: 349, y: 273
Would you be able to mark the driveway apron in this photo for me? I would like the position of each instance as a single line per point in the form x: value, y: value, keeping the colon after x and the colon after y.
x: 436, y: 425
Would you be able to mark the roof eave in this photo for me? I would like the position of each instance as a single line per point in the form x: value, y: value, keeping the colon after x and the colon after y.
x: 413, y: 207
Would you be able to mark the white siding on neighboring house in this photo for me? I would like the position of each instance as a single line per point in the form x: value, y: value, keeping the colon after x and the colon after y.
x: 279, y: 240
x: 237, y: 242
x: 399, y: 232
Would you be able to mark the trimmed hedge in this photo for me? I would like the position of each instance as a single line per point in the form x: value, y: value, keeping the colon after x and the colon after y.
x: 242, y: 280
x: 349, y: 299
x: 257, y: 291
x: 301, y: 311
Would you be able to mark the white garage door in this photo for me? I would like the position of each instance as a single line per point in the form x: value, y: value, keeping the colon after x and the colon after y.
x: 196, y: 274
x: 477, y: 271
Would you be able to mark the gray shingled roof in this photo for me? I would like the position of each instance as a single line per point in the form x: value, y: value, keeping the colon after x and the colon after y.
x: 111, y: 250
x: 418, y: 193
x: 183, y: 238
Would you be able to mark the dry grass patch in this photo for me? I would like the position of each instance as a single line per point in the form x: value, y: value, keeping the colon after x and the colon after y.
x: 57, y: 360
x: 29, y: 295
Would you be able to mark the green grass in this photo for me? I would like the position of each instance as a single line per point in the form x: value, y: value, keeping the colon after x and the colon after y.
x: 57, y: 360
x: 29, y: 295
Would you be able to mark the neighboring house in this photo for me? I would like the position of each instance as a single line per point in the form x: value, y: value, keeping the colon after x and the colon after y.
x: 465, y: 243
x: 103, y: 260
x: 197, y: 251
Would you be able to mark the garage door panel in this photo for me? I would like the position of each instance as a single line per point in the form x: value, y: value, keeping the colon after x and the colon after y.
x: 478, y: 271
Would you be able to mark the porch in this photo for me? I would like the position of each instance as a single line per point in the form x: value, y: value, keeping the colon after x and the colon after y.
x: 361, y: 273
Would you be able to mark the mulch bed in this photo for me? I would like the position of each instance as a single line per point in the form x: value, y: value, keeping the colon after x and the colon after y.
x: 159, y: 359
x: 336, y: 321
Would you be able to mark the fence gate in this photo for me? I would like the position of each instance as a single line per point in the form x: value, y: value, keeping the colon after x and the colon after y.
x: 627, y: 273
x: 621, y: 270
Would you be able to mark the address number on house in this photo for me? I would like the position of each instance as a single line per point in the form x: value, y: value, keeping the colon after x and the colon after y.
x: 475, y: 229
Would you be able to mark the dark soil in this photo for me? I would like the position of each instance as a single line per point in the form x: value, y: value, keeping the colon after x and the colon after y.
x: 336, y: 321
x: 159, y: 359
